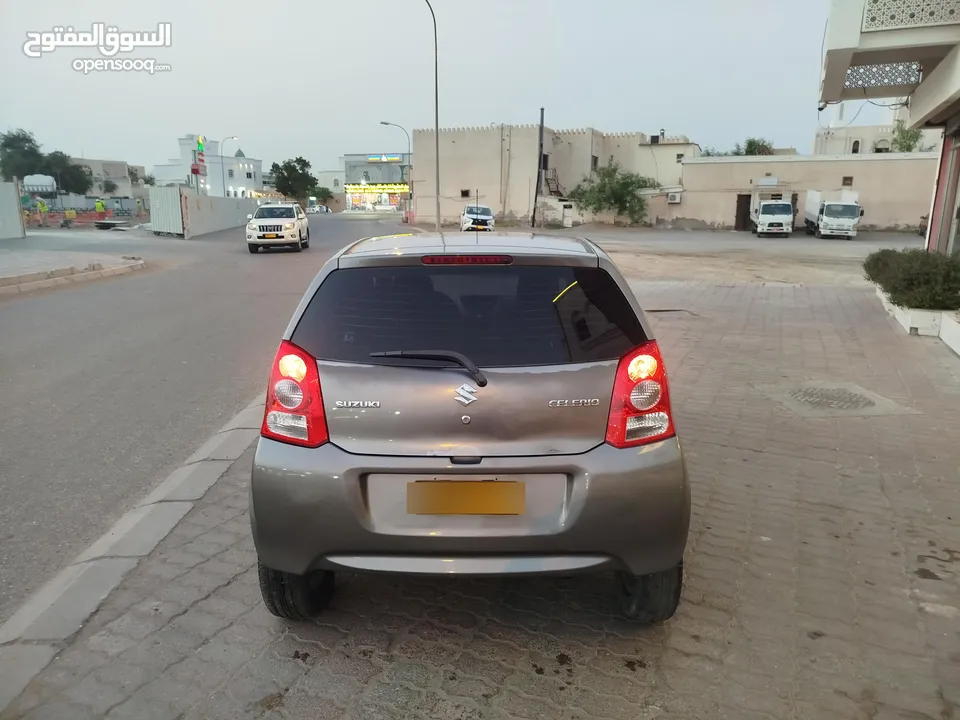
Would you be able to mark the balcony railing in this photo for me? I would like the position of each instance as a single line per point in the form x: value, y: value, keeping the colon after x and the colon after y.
x: 903, y: 14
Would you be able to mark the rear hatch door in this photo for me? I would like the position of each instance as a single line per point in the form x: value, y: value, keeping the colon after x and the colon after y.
x: 546, y: 339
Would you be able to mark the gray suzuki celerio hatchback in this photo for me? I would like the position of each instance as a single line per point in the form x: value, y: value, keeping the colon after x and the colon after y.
x: 475, y: 404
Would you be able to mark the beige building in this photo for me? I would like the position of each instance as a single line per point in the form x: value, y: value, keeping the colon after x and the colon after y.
x: 497, y: 165
x: 119, y: 173
x: 894, y: 188
x: 887, y: 50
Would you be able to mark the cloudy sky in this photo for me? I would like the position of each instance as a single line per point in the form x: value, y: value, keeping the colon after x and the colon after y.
x: 315, y: 78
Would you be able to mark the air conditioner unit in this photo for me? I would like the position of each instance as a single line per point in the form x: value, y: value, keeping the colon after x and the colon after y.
x: 673, y: 198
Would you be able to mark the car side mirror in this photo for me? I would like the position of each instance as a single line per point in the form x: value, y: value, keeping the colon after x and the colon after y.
x: 861, y: 212
x: 249, y: 217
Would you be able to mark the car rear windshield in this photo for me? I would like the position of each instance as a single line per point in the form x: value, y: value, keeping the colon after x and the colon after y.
x: 504, y: 316
x: 274, y: 212
x: 777, y: 209
x: 480, y: 211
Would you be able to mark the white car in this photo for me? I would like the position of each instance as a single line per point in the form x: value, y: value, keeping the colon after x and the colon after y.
x: 277, y: 225
x: 476, y: 217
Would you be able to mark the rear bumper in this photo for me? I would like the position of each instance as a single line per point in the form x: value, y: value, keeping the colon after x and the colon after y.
x: 615, y: 509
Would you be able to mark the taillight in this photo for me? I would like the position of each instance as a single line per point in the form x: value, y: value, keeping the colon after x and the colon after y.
x: 640, y: 406
x: 294, y: 410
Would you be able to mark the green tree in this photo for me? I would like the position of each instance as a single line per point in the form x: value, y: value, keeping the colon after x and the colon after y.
x: 19, y: 155
x: 75, y: 179
x: 149, y: 180
x: 293, y: 178
x: 713, y: 152
x: 753, y: 146
x: 109, y: 186
x: 133, y: 175
x: 906, y: 141
x: 613, y: 189
x: 322, y: 194
x: 70, y: 177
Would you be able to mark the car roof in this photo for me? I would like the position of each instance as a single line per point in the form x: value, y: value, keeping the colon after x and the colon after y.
x: 577, y: 249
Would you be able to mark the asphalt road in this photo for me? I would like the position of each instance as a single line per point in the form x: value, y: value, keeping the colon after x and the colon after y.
x: 108, y: 386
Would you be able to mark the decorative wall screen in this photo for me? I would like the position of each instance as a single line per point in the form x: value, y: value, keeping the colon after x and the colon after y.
x: 900, y: 14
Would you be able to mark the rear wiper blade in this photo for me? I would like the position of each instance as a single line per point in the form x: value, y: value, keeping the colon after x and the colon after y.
x: 458, y: 358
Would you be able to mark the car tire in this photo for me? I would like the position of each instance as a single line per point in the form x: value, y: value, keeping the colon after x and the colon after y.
x: 650, y: 599
x: 817, y: 234
x: 306, y: 243
x: 295, y: 597
x: 253, y: 248
x: 299, y: 244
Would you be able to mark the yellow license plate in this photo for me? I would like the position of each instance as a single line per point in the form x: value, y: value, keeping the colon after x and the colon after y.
x: 451, y: 497
x: 270, y: 235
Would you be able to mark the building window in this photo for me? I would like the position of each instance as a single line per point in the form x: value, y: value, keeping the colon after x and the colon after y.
x: 465, y: 193
x: 336, y: 183
x: 679, y: 157
x: 856, y: 147
x: 249, y: 176
x: 230, y: 173
x: 594, y: 163
x: 545, y: 162
x: 366, y: 176
x: 847, y: 181
x: 882, y: 146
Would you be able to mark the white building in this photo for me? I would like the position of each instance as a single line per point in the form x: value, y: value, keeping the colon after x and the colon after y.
x: 232, y: 175
x: 842, y: 137
x: 331, y: 179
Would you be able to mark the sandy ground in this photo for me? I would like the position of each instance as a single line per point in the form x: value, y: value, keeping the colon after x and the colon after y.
x: 740, y: 266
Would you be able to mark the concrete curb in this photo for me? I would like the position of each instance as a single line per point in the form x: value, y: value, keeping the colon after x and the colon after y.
x: 43, y: 625
x: 64, y: 276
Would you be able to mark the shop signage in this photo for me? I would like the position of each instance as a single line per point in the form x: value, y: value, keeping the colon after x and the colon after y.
x: 376, y: 188
x: 384, y: 158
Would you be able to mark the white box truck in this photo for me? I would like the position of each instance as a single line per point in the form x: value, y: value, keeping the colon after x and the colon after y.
x: 834, y: 213
x: 770, y: 215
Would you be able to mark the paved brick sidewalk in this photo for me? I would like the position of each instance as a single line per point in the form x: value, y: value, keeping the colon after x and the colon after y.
x: 821, y: 583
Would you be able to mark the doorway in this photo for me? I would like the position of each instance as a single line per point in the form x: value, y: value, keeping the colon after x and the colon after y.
x: 742, y: 218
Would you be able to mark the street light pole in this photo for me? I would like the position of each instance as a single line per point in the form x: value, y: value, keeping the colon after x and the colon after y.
x: 223, y: 182
x: 436, y: 106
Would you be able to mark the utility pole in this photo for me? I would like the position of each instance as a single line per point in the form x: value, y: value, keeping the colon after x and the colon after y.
x: 436, y: 106
x: 536, y: 190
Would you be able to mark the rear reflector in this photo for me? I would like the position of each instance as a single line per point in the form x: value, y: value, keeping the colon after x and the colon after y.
x: 466, y: 259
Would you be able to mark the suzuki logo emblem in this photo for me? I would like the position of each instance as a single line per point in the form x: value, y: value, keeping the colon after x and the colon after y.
x: 465, y: 394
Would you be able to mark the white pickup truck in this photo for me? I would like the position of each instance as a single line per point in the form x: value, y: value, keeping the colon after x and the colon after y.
x: 832, y: 214
x: 771, y: 217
